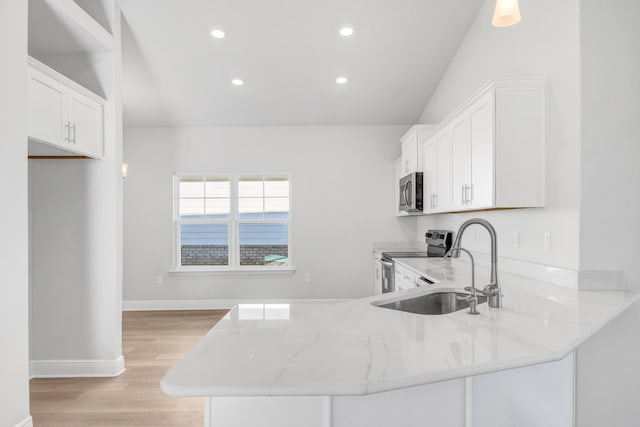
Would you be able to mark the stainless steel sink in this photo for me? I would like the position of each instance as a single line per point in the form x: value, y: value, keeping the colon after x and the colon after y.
x: 439, y: 302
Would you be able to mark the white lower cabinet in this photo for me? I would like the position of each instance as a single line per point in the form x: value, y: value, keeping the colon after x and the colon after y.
x: 490, y: 152
x: 406, y: 278
x: 62, y: 114
x: 532, y: 396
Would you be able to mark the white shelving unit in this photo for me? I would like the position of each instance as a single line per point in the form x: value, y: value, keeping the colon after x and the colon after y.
x: 75, y: 194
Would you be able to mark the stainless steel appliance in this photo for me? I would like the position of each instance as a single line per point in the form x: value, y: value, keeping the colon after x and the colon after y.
x: 410, y: 196
x: 438, y: 243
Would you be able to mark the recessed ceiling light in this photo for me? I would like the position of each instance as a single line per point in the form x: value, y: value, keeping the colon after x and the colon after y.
x: 237, y: 82
x: 218, y: 33
x: 346, y: 31
x: 341, y: 80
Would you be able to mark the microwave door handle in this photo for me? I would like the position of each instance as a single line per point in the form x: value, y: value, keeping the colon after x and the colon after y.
x: 404, y: 195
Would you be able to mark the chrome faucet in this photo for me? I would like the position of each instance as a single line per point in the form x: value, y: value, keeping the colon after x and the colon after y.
x: 472, y: 298
x: 492, y: 290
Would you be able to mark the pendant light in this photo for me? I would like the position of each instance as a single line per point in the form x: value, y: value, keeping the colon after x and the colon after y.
x: 507, y: 13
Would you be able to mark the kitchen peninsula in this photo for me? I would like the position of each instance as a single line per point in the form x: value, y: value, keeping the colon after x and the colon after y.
x: 355, y: 364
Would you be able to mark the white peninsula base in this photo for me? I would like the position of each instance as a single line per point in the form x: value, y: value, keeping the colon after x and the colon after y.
x: 539, y: 395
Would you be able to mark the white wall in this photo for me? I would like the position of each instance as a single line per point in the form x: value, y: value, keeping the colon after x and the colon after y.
x: 342, y: 183
x: 14, y: 287
x: 545, y: 43
x: 609, y: 363
x: 76, y: 240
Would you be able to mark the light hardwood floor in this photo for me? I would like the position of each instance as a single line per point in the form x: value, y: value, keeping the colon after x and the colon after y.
x: 152, y: 342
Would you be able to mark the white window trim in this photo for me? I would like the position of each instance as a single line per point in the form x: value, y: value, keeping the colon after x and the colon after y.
x: 234, y: 266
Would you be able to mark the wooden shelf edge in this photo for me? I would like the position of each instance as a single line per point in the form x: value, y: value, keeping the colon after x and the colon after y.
x: 58, y: 157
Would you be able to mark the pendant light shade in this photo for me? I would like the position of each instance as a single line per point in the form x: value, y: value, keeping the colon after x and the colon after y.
x: 507, y: 13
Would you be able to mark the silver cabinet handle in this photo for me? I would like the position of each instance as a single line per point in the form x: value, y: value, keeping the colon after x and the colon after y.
x: 73, y: 127
x: 67, y: 128
x: 467, y: 194
x: 435, y: 200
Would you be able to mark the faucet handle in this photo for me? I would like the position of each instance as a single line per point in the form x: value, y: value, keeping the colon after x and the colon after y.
x: 491, y: 289
x: 473, y: 304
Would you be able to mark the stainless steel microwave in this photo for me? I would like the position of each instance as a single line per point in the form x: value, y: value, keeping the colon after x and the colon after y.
x: 410, y: 194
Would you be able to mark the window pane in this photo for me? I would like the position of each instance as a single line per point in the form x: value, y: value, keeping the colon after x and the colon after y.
x: 276, y: 187
x: 250, y: 187
x: 204, y: 244
x: 218, y: 187
x: 249, y: 207
x: 218, y: 208
x: 280, y: 205
x: 264, y: 244
x: 191, y: 187
x: 191, y: 208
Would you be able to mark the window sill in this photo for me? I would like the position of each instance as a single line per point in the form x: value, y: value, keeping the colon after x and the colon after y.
x: 233, y: 272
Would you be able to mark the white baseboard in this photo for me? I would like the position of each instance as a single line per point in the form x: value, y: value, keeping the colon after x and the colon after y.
x: 27, y: 422
x: 77, y: 368
x: 154, y: 305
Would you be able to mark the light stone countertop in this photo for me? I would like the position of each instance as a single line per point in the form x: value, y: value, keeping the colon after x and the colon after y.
x: 355, y: 348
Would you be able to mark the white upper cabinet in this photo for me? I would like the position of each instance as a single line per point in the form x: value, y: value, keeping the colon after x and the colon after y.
x: 47, y: 109
x: 86, y: 118
x: 412, y: 150
x: 490, y: 152
x: 472, y: 154
x: 64, y: 115
x: 437, y: 172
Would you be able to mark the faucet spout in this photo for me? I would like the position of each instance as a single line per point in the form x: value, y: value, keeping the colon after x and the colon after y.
x: 492, y: 290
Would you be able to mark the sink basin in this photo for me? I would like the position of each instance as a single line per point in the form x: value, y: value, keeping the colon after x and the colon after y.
x: 439, y: 302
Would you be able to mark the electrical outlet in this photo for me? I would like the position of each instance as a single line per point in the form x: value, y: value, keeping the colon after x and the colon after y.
x: 159, y: 280
x: 307, y: 278
x: 547, y: 241
x: 516, y: 239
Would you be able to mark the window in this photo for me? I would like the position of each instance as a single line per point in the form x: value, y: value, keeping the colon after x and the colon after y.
x: 225, y: 222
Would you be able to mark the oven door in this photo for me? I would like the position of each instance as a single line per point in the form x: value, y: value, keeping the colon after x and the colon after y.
x: 387, y: 277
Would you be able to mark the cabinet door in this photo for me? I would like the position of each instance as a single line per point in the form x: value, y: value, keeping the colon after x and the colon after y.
x: 443, y: 191
x: 398, y: 277
x: 482, y: 114
x: 410, y: 153
x: 86, y: 118
x: 460, y: 162
x: 377, y: 277
x: 47, y: 110
x: 430, y: 178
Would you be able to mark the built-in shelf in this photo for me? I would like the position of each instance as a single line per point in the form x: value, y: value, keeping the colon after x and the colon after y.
x: 100, y: 10
x: 64, y: 27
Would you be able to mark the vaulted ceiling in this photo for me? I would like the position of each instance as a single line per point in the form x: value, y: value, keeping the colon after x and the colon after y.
x: 288, y: 53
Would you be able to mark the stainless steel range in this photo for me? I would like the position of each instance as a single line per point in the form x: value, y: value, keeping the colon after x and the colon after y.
x: 438, y: 243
